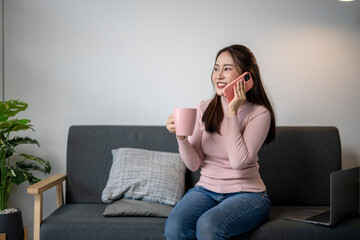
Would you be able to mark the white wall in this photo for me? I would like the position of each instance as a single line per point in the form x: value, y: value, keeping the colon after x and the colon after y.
x: 132, y: 62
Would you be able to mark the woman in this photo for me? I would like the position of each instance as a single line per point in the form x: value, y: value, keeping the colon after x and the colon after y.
x: 230, y: 197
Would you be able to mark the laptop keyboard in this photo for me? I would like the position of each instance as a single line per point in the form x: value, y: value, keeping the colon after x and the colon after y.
x: 323, y: 217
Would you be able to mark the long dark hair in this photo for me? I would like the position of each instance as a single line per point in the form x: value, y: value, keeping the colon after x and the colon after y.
x: 245, y: 61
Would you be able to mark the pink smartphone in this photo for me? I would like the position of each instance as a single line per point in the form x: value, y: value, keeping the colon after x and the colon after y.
x: 229, y: 89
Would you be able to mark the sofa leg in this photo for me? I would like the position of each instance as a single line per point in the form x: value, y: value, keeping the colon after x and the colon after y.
x: 25, y: 233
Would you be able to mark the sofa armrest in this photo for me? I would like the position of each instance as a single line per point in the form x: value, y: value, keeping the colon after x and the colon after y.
x: 37, y: 190
x: 45, y: 184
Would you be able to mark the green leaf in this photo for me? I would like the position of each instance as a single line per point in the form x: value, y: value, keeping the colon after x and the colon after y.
x: 15, y: 125
x: 30, y: 167
x: 8, y: 172
x: 24, y: 121
x: 22, y: 140
x: 42, y: 162
x: 11, y: 108
x: 10, y: 145
x: 22, y: 176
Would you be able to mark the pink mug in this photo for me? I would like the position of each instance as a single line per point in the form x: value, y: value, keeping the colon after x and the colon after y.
x: 184, y: 119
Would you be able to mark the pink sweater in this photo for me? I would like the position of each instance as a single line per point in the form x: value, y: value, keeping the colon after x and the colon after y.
x: 229, y: 162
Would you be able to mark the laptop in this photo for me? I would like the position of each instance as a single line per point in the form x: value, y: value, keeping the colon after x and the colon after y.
x: 344, y: 199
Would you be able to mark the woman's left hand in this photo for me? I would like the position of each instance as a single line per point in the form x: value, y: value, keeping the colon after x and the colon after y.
x: 239, y: 98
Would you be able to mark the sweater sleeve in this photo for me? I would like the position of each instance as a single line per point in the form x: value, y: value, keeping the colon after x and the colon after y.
x: 243, y: 148
x: 190, y: 148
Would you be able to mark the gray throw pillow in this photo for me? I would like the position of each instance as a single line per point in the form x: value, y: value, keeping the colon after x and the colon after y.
x: 129, y: 207
x: 145, y: 175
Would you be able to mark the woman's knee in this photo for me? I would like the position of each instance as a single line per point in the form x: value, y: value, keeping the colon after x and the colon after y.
x: 208, y: 227
x: 176, y: 228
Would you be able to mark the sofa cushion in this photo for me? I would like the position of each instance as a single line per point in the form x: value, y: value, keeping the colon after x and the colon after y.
x: 145, y: 175
x: 85, y: 221
x: 129, y: 207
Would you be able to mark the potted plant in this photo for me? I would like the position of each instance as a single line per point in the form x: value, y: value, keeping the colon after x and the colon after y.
x: 19, y: 171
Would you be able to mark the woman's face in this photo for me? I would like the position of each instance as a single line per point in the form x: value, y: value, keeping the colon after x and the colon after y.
x: 224, y: 72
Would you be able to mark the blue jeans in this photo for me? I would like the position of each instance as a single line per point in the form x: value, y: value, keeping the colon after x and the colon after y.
x: 206, y: 215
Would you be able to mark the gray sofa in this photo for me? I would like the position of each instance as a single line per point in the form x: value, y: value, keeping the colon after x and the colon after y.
x: 295, y: 168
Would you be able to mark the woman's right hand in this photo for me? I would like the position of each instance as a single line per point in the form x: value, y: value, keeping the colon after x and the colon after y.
x: 170, y: 125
